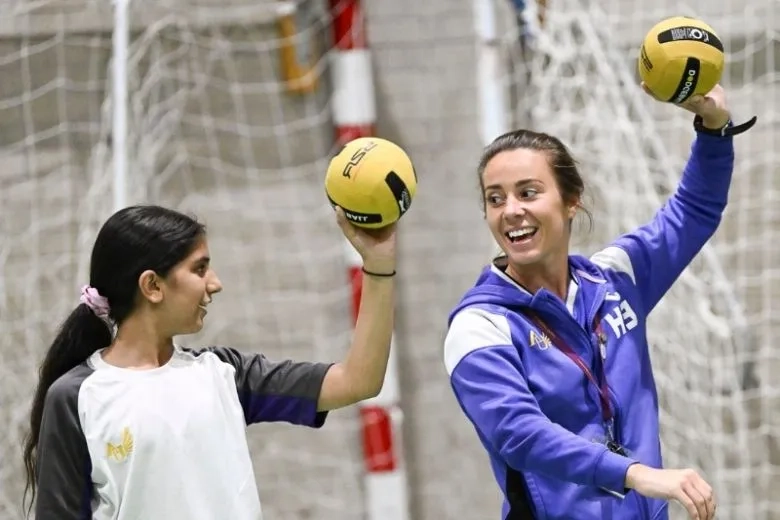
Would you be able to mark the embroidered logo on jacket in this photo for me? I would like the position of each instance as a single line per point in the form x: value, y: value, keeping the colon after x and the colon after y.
x: 622, y: 319
x: 538, y: 340
x: 120, y: 452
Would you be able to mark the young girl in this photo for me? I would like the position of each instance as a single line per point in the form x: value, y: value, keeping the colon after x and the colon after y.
x: 547, y: 353
x: 125, y: 425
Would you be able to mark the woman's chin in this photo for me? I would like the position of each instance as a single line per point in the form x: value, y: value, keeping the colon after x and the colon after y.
x: 522, y: 253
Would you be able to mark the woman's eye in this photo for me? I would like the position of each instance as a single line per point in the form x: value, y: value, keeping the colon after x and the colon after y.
x: 528, y: 193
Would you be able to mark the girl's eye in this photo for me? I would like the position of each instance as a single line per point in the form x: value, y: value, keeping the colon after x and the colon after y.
x: 528, y: 193
x: 494, y: 199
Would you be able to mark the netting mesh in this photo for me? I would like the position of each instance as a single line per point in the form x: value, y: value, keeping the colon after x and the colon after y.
x: 213, y: 131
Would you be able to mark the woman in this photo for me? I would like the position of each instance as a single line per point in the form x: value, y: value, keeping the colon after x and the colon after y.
x: 131, y: 426
x: 547, y: 353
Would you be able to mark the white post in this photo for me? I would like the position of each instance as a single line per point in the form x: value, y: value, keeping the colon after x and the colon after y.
x: 492, y: 95
x: 491, y: 89
x: 120, y: 43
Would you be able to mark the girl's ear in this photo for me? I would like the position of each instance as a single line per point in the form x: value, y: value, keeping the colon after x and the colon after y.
x: 150, y: 287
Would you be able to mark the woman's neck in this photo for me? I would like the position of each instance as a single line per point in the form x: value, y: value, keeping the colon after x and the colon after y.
x: 553, y: 277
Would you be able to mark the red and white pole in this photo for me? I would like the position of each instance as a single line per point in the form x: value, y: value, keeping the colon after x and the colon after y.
x: 354, y: 103
x: 354, y: 115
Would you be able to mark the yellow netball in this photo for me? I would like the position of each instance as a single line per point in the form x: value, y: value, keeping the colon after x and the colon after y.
x: 680, y: 57
x: 372, y: 180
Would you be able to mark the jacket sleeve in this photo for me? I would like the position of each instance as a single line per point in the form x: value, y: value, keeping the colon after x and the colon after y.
x: 488, y: 378
x: 276, y: 391
x: 63, y: 463
x: 654, y: 255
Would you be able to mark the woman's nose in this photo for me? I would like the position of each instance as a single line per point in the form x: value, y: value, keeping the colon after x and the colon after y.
x: 514, y: 206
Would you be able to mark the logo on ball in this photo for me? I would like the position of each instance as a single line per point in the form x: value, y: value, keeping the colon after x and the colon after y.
x: 355, y: 159
x: 690, y: 33
x: 688, y: 84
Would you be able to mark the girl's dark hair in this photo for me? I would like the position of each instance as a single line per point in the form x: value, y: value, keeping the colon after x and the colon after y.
x: 131, y: 241
x: 563, y: 165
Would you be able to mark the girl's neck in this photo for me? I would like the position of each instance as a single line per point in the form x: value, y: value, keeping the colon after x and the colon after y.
x: 139, y: 345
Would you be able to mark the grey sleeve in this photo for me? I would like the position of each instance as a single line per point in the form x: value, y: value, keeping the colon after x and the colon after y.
x: 276, y: 391
x: 63, y: 463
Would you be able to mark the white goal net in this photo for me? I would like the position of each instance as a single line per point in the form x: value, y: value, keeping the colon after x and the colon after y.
x: 713, y: 339
x: 215, y: 131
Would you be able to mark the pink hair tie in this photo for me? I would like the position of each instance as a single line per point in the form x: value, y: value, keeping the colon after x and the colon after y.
x: 97, y: 304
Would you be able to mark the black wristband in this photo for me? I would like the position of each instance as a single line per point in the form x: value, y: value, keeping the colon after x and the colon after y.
x: 381, y: 275
x: 726, y: 130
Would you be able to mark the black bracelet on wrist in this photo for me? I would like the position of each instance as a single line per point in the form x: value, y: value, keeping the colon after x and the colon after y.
x: 726, y: 130
x: 381, y: 275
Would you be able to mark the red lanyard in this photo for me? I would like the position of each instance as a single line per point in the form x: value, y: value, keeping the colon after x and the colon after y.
x: 601, y: 382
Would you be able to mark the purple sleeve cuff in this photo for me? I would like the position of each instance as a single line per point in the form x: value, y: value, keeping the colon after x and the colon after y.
x: 610, y: 472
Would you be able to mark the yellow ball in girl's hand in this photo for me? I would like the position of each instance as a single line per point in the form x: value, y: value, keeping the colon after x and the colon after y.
x: 372, y: 180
